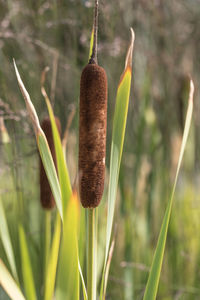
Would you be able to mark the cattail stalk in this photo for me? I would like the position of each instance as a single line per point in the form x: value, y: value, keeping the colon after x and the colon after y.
x: 91, y: 253
x: 92, y: 128
x: 93, y: 58
x: 92, y: 148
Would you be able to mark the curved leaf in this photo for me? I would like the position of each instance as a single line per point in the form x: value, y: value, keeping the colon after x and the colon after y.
x: 5, y: 237
x: 27, y: 273
x: 154, y: 275
x: 119, y: 125
x: 43, y: 146
x: 8, y: 284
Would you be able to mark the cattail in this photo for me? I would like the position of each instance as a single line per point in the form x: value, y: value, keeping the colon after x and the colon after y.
x: 46, y: 196
x: 92, y: 129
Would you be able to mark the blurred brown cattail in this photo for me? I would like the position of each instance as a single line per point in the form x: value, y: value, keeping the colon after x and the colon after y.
x: 92, y: 129
x: 46, y: 196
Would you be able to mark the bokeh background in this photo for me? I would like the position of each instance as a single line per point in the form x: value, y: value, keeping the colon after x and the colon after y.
x: 167, y: 48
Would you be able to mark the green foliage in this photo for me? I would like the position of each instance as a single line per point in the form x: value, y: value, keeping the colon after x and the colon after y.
x: 27, y: 272
x: 50, y: 277
x: 119, y: 125
x: 64, y: 180
x: 67, y: 286
x: 9, y: 285
x: 143, y: 177
x: 154, y: 276
x: 5, y: 237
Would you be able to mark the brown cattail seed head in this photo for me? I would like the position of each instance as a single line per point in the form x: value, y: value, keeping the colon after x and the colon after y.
x: 46, y: 196
x: 92, y: 134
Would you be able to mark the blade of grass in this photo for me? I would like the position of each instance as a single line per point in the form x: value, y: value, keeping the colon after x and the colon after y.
x: 4, y: 133
x: 83, y: 283
x: 43, y: 146
x: 9, y: 284
x: 65, y: 137
x: 47, y: 239
x: 108, y: 267
x: 91, y: 43
x: 53, y: 261
x: 153, y: 280
x: 28, y: 280
x: 63, y: 173
x: 50, y: 170
x: 67, y: 287
x: 5, y: 237
x: 119, y: 125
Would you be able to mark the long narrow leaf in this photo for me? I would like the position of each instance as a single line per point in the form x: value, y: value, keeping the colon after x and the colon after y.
x: 49, y: 166
x: 154, y: 276
x: 9, y: 284
x: 83, y: 282
x: 64, y: 180
x: 67, y: 287
x: 5, y: 237
x: 53, y: 260
x: 91, y: 43
x: 43, y: 146
x: 119, y: 126
x: 26, y: 267
x: 108, y: 267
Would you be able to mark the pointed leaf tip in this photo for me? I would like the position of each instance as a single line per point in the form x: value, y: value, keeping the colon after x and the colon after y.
x: 191, y: 90
x: 129, y: 56
x: 30, y: 108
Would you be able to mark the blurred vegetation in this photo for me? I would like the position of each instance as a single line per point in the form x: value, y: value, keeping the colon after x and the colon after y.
x: 57, y: 34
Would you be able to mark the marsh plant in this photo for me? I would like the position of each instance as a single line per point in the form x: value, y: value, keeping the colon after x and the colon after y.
x: 70, y: 251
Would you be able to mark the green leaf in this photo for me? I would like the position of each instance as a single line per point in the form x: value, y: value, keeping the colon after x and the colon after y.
x: 108, y: 267
x: 119, y: 125
x: 53, y: 260
x: 5, y: 237
x: 43, y: 146
x: 9, y: 284
x: 154, y: 275
x: 47, y: 240
x: 50, y: 170
x: 63, y: 174
x: 4, y: 133
x: 91, y: 43
x: 26, y: 267
x: 83, y: 283
x: 67, y: 287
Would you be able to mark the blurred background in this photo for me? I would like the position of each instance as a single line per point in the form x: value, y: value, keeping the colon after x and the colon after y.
x: 167, y: 47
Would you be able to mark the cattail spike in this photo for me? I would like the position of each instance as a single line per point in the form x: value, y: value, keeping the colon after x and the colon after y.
x: 92, y: 134
x: 92, y: 127
x: 46, y: 196
x: 93, y: 58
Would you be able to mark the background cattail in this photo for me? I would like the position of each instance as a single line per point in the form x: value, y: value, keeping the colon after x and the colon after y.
x: 92, y: 134
x: 46, y: 196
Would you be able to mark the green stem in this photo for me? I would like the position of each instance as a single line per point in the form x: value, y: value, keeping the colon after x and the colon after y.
x: 91, y: 254
x: 47, y: 240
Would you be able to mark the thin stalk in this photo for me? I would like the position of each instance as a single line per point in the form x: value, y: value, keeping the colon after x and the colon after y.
x: 47, y: 240
x: 91, y: 254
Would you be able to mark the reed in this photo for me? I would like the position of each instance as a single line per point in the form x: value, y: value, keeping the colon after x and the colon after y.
x: 46, y: 196
x: 92, y: 128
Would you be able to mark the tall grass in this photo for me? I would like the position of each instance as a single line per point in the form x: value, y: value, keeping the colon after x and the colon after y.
x: 65, y: 267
